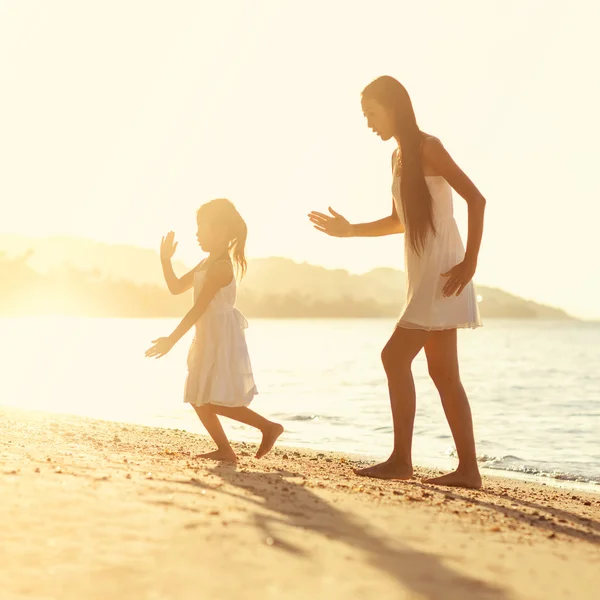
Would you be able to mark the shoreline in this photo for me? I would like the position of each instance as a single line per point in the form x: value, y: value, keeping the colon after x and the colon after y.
x: 95, y: 508
x: 569, y: 319
x: 439, y: 466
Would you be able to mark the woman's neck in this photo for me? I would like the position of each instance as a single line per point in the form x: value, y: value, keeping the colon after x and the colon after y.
x: 398, y: 139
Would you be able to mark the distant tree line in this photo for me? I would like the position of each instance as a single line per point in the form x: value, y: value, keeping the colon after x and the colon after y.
x: 72, y: 291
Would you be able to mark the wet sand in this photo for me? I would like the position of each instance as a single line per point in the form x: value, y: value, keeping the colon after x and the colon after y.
x: 96, y: 510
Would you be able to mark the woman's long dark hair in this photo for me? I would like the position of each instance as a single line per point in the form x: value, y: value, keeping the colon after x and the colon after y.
x: 416, y: 199
x: 225, y: 213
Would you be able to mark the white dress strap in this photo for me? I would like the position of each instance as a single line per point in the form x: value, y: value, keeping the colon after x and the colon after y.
x: 221, y: 260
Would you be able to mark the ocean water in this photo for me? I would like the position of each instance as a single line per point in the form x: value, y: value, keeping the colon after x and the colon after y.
x: 534, y: 386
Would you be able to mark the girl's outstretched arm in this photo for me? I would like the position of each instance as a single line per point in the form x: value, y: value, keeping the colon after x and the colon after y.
x: 217, y: 277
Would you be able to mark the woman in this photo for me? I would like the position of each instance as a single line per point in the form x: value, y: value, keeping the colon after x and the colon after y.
x: 440, y: 295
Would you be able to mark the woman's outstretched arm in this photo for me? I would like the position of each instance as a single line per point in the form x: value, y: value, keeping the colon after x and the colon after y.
x: 338, y: 226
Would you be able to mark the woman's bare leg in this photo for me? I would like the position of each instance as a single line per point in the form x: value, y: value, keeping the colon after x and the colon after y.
x: 213, y: 426
x: 397, y: 358
x: 442, y: 359
x: 270, y: 430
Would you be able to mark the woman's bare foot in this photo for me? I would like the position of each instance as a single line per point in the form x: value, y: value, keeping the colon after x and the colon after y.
x: 226, y: 455
x: 465, y: 479
x: 386, y: 470
x: 269, y: 438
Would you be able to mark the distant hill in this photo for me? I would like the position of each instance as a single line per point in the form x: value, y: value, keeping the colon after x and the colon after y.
x: 80, y: 276
x: 377, y: 293
x: 116, y: 261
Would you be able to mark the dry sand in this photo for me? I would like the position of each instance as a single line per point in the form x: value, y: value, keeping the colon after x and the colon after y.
x: 99, y: 510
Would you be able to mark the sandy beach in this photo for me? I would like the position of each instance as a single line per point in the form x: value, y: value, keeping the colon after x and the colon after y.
x: 94, y: 510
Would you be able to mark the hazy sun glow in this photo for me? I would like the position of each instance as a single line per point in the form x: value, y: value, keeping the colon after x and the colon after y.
x: 119, y: 119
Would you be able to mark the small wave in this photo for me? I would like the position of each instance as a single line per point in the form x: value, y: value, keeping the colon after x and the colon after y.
x: 558, y: 475
x: 326, y: 418
x: 517, y: 465
x: 484, y: 458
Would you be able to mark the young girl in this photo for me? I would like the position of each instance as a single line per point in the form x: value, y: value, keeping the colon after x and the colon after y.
x: 440, y: 294
x: 220, y: 380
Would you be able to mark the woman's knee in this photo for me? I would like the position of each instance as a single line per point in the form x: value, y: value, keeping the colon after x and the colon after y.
x: 394, y: 359
x: 443, y: 374
x: 386, y: 356
x: 401, y: 349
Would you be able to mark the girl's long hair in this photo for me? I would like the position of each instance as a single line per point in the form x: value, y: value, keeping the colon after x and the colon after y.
x: 415, y: 196
x: 223, y: 212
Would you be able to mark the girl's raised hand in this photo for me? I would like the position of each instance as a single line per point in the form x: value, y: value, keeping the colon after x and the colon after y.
x: 168, y: 245
x: 334, y: 224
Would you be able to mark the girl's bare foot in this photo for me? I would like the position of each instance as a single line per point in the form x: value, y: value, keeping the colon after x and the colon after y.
x: 269, y: 438
x: 386, y: 470
x: 226, y: 455
x: 465, y: 479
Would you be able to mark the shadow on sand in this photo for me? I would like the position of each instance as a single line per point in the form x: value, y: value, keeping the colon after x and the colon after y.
x: 281, y: 501
x: 540, y: 518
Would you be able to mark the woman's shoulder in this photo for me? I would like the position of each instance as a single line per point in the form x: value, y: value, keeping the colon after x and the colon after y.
x: 428, y: 141
x: 432, y: 154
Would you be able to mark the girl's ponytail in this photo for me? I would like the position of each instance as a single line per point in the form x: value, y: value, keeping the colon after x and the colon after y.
x: 237, y: 246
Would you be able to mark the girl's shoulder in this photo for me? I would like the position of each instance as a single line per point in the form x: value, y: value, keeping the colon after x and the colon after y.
x: 220, y: 272
x: 207, y: 264
x: 201, y: 266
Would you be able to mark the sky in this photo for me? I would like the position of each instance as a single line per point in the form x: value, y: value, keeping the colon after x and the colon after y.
x: 119, y: 118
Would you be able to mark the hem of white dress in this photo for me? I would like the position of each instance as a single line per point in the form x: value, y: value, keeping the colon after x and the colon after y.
x: 246, y: 402
x: 408, y: 325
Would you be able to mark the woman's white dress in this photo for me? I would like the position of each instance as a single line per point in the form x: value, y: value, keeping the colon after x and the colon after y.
x: 219, y: 368
x: 425, y: 306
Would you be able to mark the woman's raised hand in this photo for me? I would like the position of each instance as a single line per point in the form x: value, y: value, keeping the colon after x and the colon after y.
x: 334, y: 224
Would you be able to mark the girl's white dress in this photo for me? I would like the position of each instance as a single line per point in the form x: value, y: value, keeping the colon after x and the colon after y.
x: 219, y: 368
x: 425, y: 306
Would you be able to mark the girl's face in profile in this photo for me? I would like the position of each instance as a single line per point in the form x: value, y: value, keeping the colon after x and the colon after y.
x: 210, y: 236
x: 379, y: 118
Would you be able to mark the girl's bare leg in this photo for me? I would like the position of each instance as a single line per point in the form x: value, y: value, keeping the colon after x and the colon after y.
x: 442, y: 360
x: 213, y: 426
x: 397, y: 358
x: 270, y: 430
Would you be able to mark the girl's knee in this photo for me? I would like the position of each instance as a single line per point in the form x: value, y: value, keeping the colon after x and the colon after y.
x: 204, y: 409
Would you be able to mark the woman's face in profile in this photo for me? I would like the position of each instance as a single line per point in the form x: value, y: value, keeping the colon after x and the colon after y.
x: 379, y: 119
